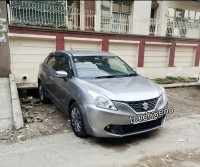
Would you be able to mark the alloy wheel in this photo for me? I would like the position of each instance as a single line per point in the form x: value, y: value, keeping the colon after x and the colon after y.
x: 76, y: 120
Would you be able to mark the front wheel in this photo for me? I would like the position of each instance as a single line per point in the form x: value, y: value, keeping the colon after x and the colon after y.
x: 77, y: 121
x: 42, y: 95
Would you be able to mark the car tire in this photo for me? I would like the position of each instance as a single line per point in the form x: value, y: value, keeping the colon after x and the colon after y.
x: 43, y: 98
x: 77, y: 123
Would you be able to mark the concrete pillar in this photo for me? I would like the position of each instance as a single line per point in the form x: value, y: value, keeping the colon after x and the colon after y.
x: 141, y: 17
x: 161, y: 18
x: 4, y: 45
x: 97, y: 22
x: 82, y: 15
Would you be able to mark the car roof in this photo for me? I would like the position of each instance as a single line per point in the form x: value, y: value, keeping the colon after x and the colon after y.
x: 86, y: 53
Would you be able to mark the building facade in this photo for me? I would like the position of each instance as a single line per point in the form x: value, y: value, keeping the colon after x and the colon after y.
x: 4, y: 44
x: 157, y: 38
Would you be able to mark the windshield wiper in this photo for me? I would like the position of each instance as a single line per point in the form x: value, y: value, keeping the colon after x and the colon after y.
x: 127, y: 75
x: 130, y: 75
x: 116, y: 76
x: 107, y: 76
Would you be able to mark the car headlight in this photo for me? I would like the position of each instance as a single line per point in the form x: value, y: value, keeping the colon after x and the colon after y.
x: 102, y: 101
x: 163, y: 100
x: 164, y: 96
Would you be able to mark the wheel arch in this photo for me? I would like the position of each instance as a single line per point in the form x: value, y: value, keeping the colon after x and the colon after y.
x: 70, y: 104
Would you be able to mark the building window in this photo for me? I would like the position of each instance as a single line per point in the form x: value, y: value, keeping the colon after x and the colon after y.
x: 121, y: 7
x: 115, y: 15
x: 191, y: 15
x: 179, y: 20
x: 105, y: 5
x: 183, y: 15
x: 171, y: 12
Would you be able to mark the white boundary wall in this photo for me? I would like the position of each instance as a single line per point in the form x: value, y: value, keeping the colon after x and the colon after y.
x: 28, y: 51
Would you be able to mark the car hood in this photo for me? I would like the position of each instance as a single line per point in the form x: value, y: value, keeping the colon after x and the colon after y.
x: 123, y: 89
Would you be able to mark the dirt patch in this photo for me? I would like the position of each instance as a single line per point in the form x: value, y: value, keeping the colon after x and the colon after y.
x: 184, y: 158
x: 45, y: 119
x: 40, y: 120
x: 185, y: 101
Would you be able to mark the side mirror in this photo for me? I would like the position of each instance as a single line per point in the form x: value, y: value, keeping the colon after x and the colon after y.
x: 61, y: 74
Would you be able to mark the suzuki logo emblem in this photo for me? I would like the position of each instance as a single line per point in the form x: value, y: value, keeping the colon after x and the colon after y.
x: 145, y: 106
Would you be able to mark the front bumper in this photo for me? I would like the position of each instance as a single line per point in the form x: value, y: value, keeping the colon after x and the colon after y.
x: 101, y: 122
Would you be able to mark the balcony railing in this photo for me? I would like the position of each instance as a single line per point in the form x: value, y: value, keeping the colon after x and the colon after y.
x: 47, y: 15
x: 174, y: 29
x: 119, y: 23
x: 183, y: 29
x: 59, y: 16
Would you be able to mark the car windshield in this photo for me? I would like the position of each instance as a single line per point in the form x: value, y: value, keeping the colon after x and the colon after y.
x: 102, y: 67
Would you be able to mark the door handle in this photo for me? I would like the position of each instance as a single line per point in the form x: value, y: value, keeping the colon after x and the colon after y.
x: 51, y: 77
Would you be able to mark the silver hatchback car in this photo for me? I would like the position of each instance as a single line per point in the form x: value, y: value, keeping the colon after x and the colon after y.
x: 100, y: 93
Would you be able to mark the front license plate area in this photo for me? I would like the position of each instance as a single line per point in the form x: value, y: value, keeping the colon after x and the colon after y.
x: 143, y: 118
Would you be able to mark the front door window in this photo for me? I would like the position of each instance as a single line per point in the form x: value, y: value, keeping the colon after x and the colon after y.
x: 63, y: 64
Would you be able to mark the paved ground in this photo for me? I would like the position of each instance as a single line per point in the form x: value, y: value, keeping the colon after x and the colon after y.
x: 5, y: 105
x: 175, y: 145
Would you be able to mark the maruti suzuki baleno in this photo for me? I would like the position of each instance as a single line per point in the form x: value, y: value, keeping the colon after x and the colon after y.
x: 100, y: 92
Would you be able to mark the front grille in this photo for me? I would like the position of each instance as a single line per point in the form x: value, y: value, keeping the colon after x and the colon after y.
x: 134, y: 128
x: 141, y: 126
x: 139, y: 106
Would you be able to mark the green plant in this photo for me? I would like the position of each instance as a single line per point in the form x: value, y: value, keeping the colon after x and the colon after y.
x: 172, y: 78
x: 193, y: 79
x: 180, y: 78
x: 182, y: 86
x: 158, y: 79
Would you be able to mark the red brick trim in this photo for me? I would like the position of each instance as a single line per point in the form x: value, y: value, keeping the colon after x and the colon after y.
x: 60, y: 42
x: 105, y: 44
x: 172, y: 54
x: 92, y: 34
x: 197, y: 57
x: 141, y: 54
x: 90, y: 5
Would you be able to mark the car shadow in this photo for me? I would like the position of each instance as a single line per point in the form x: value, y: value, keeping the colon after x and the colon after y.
x: 121, y: 144
x: 117, y: 144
